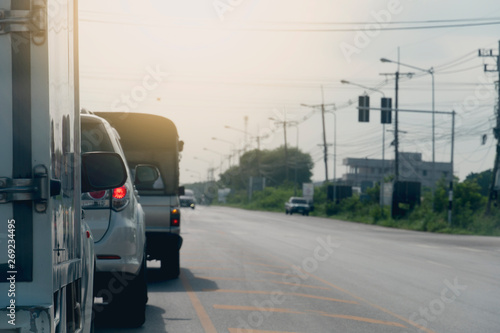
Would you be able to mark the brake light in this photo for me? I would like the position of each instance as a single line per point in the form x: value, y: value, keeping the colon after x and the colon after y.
x: 120, y: 198
x: 108, y: 257
x: 119, y: 192
x: 175, y: 217
x: 95, y: 200
x: 97, y: 195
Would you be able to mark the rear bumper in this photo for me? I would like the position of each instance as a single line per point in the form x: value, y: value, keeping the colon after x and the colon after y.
x: 159, y: 244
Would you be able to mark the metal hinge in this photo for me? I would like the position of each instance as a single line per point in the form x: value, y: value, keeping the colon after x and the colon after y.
x: 25, y: 189
x: 34, y: 20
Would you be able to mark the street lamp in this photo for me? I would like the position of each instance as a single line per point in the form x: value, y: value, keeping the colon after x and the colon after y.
x: 362, y: 86
x: 210, y: 172
x: 199, y: 174
x: 246, y: 133
x: 216, y: 152
x: 431, y: 72
x: 232, y: 147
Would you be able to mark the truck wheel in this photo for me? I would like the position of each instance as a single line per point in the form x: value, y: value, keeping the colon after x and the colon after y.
x: 130, y: 304
x: 170, y: 265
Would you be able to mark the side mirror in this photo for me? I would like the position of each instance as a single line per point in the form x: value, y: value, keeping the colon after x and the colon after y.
x: 181, y: 190
x: 147, y: 177
x: 102, y: 171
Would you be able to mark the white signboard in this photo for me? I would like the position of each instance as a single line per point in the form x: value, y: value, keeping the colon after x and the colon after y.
x: 308, y: 191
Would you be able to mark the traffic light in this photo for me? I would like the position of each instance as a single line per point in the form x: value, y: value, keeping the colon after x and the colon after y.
x: 386, y: 110
x: 364, y: 109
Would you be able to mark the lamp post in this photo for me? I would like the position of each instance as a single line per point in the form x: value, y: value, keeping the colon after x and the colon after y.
x: 232, y: 147
x: 246, y: 133
x: 199, y: 174
x: 210, y: 172
x: 431, y: 72
x: 220, y: 154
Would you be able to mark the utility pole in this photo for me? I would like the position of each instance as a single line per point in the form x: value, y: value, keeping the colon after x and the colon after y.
x: 496, y: 130
x: 285, y: 124
x: 325, y: 147
x: 396, y: 121
x: 324, y: 144
x: 246, y: 133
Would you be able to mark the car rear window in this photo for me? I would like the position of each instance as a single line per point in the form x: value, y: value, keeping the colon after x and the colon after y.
x: 95, y: 137
x: 299, y: 201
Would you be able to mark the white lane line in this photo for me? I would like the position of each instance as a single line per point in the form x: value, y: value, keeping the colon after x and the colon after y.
x: 468, y: 249
x: 440, y: 264
x: 427, y: 246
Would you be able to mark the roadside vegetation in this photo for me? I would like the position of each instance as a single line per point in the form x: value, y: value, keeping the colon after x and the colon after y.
x: 469, y: 215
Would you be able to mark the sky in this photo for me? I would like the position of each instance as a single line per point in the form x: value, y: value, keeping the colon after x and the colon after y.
x: 213, y: 64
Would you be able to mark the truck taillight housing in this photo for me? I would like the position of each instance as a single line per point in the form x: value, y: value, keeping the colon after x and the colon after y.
x: 97, y: 195
x: 95, y: 200
x: 175, y: 217
x: 120, y: 198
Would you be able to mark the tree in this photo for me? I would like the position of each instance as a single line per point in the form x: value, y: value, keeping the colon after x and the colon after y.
x: 483, y: 179
x: 272, y: 165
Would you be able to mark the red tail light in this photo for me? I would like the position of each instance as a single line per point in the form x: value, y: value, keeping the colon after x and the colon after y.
x: 175, y: 217
x: 97, y: 195
x: 119, y: 192
x: 120, y: 198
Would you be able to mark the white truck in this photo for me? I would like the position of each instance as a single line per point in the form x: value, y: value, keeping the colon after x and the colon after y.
x: 46, y: 249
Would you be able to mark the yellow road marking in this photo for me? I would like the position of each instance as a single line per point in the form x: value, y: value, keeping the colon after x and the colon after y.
x: 362, y: 299
x: 284, y: 310
x: 272, y: 281
x: 205, y: 320
x: 263, y: 292
x: 266, y: 265
x: 297, y: 284
x: 254, y: 308
x: 367, y: 320
x: 371, y: 304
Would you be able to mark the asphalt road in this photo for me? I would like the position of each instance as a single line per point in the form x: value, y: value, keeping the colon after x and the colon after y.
x: 257, y: 272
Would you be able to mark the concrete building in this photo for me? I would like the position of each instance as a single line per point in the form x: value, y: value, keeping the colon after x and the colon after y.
x: 365, y: 172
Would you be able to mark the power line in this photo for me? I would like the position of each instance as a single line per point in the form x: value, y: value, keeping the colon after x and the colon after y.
x: 369, y: 29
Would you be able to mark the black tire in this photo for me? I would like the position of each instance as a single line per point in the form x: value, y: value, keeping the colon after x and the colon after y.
x: 130, y: 304
x: 170, y: 265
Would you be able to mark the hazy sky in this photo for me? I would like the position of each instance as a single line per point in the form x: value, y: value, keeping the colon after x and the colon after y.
x: 206, y: 64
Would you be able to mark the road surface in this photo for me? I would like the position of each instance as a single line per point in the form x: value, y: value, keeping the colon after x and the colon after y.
x: 260, y: 272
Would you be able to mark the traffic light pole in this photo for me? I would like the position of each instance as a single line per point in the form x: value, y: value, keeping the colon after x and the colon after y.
x: 452, y: 113
x: 396, y: 132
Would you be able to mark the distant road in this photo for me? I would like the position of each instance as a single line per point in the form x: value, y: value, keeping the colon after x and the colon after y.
x: 259, y: 272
